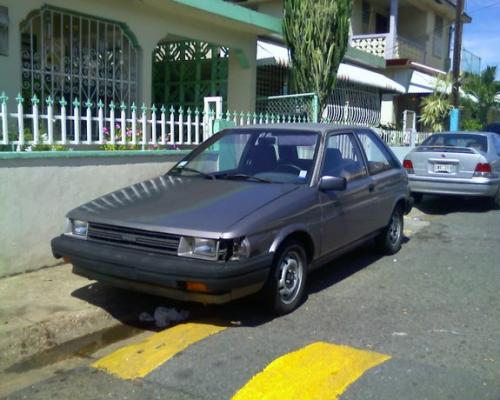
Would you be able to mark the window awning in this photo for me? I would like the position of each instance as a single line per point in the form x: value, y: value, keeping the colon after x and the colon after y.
x: 273, y: 54
x: 422, y: 83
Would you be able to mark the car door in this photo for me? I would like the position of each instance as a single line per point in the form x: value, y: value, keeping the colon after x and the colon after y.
x: 386, y: 177
x: 345, y: 213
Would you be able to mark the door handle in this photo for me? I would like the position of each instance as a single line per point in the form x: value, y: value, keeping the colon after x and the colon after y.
x: 371, y: 187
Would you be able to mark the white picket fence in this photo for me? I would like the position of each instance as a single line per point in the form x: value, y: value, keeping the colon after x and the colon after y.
x: 86, y: 124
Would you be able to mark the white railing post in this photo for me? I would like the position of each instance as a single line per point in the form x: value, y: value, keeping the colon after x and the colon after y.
x: 153, y: 125
x: 35, y: 119
x: 88, y: 119
x: 172, y: 125
x: 188, y: 125
x: 5, y: 124
x: 20, y: 121
x: 163, y: 127
x: 50, y: 120
x: 100, y: 120
x: 76, y: 120
x: 133, y: 107
x: 64, y: 135
x: 181, y: 125
x: 196, y: 126
x: 112, y: 122
x: 144, y: 126
x: 123, y: 123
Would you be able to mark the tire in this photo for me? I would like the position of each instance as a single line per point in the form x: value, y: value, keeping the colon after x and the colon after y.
x: 284, y: 295
x: 495, y: 201
x: 417, y: 197
x: 390, y: 239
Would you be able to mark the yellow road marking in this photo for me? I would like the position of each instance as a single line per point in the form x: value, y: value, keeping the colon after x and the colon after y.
x: 318, y: 371
x: 137, y: 360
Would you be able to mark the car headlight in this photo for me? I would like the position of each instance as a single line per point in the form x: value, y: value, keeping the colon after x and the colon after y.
x: 206, y: 249
x: 241, y: 249
x: 76, y: 228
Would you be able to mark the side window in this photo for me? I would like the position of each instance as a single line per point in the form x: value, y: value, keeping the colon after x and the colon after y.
x: 378, y: 157
x: 496, y: 142
x: 342, y: 158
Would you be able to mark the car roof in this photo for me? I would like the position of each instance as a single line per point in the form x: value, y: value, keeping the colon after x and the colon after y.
x: 316, y: 127
x: 465, y: 133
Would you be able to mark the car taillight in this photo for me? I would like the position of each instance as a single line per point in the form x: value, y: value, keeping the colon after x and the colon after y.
x: 408, y: 165
x: 483, y: 169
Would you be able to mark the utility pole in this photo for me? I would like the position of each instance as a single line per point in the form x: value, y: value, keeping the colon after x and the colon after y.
x: 457, y: 54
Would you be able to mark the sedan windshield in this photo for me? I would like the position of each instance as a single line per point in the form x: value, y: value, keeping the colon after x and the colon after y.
x: 271, y: 155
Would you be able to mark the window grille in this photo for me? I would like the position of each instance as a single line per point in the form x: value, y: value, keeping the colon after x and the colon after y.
x: 75, y: 56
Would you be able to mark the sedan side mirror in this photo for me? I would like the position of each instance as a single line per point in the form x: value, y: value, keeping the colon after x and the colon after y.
x: 327, y: 183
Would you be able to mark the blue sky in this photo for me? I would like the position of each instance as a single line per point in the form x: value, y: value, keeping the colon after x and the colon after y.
x: 482, y: 36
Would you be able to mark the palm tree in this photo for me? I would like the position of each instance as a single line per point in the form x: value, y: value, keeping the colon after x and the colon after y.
x: 482, y: 93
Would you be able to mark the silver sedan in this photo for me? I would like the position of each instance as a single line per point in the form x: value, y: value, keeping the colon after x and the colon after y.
x: 458, y: 163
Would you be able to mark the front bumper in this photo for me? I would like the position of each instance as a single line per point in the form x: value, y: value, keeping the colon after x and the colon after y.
x: 163, y: 275
x: 454, y: 186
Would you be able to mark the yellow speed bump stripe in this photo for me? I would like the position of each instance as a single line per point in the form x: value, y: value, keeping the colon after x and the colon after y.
x: 137, y: 360
x: 318, y: 371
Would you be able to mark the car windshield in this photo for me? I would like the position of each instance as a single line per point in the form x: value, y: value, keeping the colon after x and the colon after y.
x: 270, y: 155
x: 477, y: 142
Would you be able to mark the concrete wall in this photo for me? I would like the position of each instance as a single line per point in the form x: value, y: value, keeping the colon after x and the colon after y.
x: 36, y: 194
x: 150, y: 21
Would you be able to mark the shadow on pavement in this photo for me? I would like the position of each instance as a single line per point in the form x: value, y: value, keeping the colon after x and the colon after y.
x: 343, y: 267
x: 443, y: 205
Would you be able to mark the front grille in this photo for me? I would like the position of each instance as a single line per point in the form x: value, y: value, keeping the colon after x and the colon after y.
x: 134, y: 238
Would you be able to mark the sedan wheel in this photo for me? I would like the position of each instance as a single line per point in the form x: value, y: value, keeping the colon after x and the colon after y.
x: 285, y: 288
x: 390, y: 239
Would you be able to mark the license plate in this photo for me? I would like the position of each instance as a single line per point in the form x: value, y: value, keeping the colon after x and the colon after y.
x: 444, y: 168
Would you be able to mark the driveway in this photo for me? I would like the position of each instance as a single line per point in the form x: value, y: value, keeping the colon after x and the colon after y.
x: 423, y: 324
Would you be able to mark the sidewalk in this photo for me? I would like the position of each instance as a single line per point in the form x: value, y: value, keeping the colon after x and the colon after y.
x: 43, y: 310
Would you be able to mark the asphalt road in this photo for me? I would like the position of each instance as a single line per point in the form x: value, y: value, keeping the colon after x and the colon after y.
x: 432, y: 312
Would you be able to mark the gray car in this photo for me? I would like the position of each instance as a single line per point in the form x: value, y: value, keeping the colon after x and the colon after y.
x: 458, y: 163
x: 251, y: 209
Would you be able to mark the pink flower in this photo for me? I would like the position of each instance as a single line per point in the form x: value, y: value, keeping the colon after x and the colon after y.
x: 128, y: 132
x: 117, y: 126
x: 105, y: 130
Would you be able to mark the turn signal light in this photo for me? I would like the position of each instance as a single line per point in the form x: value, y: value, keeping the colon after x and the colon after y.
x: 483, y: 169
x: 196, y: 287
x: 408, y: 165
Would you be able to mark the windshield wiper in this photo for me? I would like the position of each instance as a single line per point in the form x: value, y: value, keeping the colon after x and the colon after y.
x: 246, y: 177
x: 204, y: 174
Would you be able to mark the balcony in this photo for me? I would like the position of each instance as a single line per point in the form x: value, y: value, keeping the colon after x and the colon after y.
x: 380, y: 45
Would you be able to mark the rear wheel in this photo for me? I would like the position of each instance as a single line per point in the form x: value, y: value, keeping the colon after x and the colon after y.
x: 496, y: 199
x: 417, y: 197
x: 284, y: 290
x: 390, y: 239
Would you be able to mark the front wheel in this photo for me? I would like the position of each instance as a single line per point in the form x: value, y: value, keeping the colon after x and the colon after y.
x: 390, y: 239
x: 284, y: 290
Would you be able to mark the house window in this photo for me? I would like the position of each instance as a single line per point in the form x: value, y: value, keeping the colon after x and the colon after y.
x: 185, y: 72
x: 78, y: 56
x: 437, y: 47
x: 4, y: 31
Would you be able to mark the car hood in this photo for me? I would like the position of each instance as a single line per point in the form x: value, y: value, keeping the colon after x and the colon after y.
x: 185, y: 206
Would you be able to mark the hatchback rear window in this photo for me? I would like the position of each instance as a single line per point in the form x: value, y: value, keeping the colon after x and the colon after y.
x: 477, y: 142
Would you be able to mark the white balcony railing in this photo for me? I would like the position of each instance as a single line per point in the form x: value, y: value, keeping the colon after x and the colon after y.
x: 374, y: 44
x: 380, y: 45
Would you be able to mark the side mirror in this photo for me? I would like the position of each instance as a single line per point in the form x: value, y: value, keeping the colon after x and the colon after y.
x: 327, y: 183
